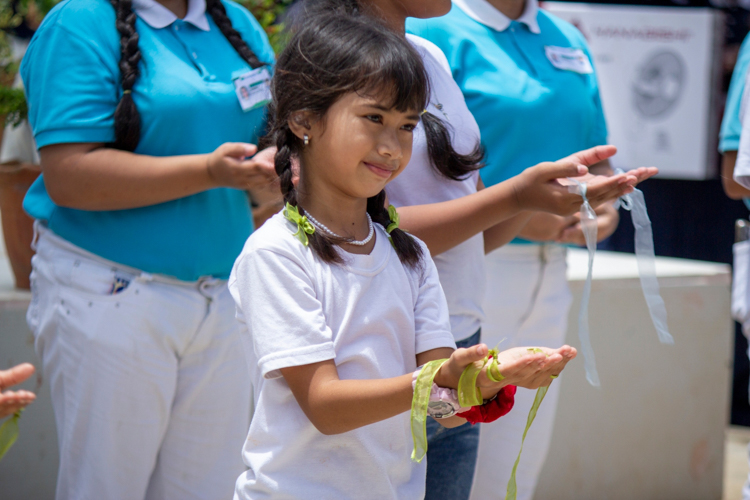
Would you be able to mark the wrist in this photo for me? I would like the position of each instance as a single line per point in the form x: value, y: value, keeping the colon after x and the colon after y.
x: 442, y: 379
x: 210, y: 179
x: 517, y: 188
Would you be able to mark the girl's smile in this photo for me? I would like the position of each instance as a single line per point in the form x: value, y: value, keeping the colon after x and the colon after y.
x: 380, y: 169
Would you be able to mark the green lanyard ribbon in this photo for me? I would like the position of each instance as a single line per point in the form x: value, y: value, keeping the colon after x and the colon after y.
x: 9, y: 433
x: 304, y: 227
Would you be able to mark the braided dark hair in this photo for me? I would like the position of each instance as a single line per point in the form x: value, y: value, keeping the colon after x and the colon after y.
x: 443, y: 157
x: 328, y: 57
x: 127, y: 117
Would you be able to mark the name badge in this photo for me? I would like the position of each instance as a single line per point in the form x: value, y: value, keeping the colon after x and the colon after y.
x: 253, y: 89
x: 569, y: 59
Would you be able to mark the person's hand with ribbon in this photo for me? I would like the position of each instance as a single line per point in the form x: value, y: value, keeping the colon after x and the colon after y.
x: 526, y: 367
x: 543, y: 187
x: 607, y: 219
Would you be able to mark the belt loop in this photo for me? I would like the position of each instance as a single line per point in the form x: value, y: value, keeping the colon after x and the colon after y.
x: 145, y: 278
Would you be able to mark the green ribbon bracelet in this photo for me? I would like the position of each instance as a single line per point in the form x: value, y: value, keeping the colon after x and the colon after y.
x: 304, y: 227
x: 419, y: 403
x: 9, y: 433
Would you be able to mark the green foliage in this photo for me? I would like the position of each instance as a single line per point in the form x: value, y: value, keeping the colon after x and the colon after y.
x: 269, y: 14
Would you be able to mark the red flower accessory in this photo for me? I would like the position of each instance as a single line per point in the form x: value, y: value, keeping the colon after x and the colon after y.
x: 492, y: 410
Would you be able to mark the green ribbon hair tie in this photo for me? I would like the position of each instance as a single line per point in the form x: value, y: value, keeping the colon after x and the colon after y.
x: 393, y: 215
x: 304, y: 227
x: 9, y: 433
x: 419, y: 403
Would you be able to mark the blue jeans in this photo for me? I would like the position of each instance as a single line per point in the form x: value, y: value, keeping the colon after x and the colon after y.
x: 452, y: 453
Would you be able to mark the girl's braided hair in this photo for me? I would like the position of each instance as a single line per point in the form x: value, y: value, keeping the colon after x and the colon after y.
x: 127, y: 117
x: 443, y: 158
x: 329, y: 56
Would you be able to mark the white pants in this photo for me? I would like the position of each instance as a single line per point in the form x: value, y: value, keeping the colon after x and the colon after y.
x: 527, y: 303
x: 149, y: 385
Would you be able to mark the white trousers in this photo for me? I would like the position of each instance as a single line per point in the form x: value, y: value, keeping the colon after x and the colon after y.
x: 527, y: 303
x: 149, y: 385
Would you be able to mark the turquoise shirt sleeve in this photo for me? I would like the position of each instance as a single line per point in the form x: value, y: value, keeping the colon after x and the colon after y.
x: 729, y: 135
x: 90, y: 86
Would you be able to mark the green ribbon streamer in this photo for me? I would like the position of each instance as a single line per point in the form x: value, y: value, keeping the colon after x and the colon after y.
x: 419, y: 403
x: 9, y: 433
x: 304, y: 227
x: 512, y: 488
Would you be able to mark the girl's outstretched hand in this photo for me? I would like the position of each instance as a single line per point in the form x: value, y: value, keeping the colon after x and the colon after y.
x: 521, y: 366
x: 528, y: 367
x: 12, y: 401
x: 544, y: 187
x: 236, y: 165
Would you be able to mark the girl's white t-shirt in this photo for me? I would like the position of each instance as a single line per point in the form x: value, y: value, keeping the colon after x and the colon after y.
x: 461, y: 268
x: 372, y: 316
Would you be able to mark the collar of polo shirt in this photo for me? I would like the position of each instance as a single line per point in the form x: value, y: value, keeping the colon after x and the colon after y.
x: 157, y: 16
x: 483, y: 12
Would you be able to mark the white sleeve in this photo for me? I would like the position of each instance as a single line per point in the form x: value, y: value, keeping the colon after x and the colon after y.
x: 284, y: 317
x: 742, y: 167
x: 431, y: 320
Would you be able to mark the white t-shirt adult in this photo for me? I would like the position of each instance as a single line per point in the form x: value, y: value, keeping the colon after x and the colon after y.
x: 372, y: 316
x: 461, y: 268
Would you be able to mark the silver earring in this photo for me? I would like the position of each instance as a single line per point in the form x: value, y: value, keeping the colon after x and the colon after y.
x: 306, y: 139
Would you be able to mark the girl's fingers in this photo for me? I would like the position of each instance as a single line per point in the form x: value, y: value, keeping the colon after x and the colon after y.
x: 592, y: 156
x: 238, y: 149
x: 15, y: 375
x: 563, y: 169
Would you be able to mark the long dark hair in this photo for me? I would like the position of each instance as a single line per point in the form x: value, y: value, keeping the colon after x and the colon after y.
x: 443, y: 157
x: 328, y: 57
x: 127, y: 117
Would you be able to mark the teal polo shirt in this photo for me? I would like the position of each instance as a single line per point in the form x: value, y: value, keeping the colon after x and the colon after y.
x: 187, y: 104
x: 528, y: 111
x: 731, y: 126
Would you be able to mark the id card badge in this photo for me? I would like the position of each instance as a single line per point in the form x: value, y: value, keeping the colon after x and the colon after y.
x: 253, y: 88
x: 569, y: 59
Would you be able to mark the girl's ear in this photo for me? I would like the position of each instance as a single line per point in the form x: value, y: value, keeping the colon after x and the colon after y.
x: 300, y: 123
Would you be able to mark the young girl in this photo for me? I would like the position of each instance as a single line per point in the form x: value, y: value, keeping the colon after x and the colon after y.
x: 340, y: 305
x: 440, y: 199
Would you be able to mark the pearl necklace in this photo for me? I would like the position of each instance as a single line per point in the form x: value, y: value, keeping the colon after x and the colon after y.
x: 349, y: 241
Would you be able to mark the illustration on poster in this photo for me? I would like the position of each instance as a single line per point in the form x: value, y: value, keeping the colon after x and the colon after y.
x: 658, y: 84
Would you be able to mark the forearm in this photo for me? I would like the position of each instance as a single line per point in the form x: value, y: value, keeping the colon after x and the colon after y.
x: 110, y: 179
x: 502, y: 234
x: 444, y: 225
x: 343, y: 405
x: 732, y: 189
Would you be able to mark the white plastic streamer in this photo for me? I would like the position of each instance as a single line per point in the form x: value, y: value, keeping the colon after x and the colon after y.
x: 646, y: 258
x: 644, y: 253
x: 589, y: 227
